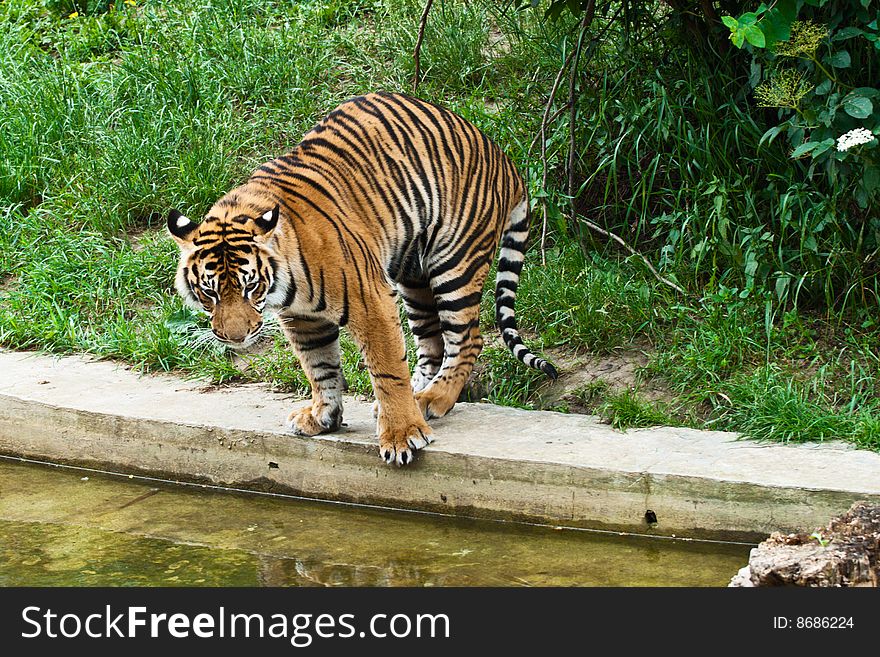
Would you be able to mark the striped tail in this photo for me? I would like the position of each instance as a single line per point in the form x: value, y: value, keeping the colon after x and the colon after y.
x: 510, y: 262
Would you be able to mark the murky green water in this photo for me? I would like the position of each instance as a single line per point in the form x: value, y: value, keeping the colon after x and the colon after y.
x: 57, y: 528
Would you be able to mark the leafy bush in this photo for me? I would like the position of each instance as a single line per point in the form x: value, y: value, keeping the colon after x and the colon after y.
x: 816, y: 61
x: 679, y: 144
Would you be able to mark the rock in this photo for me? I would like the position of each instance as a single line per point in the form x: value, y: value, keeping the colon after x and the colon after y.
x: 742, y: 577
x: 845, y: 553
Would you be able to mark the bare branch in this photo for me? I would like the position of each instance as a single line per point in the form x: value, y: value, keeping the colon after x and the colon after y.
x: 587, y: 20
x: 418, y: 49
x: 544, y: 121
x: 589, y: 224
x: 552, y: 118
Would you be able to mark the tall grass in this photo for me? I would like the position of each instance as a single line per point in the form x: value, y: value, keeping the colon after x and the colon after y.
x: 672, y: 158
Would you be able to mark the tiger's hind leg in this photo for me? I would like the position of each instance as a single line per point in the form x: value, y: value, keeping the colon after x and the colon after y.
x: 424, y: 322
x: 316, y: 343
x: 458, y: 312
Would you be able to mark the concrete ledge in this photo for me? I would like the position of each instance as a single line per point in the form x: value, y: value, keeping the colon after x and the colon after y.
x: 487, y: 461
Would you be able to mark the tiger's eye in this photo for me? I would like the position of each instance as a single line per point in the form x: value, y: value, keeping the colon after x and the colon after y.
x: 208, y: 292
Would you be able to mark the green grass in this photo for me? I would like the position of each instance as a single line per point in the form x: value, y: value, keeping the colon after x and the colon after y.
x: 730, y: 360
x: 588, y: 302
x: 508, y: 382
x: 772, y: 405
x: 628, y: 410
x: 110, y: 118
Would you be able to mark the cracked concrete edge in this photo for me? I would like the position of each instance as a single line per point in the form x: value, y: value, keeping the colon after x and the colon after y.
x: 333, y: 468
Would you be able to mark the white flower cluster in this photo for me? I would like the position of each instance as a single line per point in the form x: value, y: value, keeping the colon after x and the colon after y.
x: 854, y: 138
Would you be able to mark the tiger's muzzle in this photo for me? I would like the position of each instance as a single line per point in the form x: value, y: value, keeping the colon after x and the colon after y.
x: 236, y: 323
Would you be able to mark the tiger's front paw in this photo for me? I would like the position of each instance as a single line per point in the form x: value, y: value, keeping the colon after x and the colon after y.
x: 312, y: 420
x: 399, y: 445
x: 434, y: 404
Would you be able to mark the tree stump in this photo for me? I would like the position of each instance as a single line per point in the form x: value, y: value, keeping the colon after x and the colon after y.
x: 845, y: 553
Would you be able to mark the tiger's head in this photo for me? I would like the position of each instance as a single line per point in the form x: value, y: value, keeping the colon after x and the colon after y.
x: 228, y: 266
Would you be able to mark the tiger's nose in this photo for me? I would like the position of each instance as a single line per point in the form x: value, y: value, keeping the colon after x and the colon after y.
x: 232, y: 337
x: 237, y: 337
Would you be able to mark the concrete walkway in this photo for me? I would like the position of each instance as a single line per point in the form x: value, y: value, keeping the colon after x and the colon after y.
x: 487, y: 461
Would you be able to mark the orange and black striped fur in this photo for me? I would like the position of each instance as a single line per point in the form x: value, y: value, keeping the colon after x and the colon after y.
x: 386, y: 195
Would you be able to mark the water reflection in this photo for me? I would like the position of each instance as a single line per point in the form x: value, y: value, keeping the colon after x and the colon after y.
x: 57, y: 528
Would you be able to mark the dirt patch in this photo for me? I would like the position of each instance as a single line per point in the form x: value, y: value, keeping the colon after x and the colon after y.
x: 140, y: 233
x: 244, y: 360
x: 497, y: 44
x: 585, y: 379
x: 7, y: 282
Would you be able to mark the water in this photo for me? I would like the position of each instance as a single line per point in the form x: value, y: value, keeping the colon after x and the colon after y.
x: 58, y: 529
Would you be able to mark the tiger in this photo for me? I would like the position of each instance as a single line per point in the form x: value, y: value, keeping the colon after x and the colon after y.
x: 387, y: 196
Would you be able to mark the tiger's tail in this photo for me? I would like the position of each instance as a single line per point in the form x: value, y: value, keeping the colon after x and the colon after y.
x: 510, y: 262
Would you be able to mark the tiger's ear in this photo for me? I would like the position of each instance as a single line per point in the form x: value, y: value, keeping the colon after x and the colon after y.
x: 267, y: 222
x: 180, y: 227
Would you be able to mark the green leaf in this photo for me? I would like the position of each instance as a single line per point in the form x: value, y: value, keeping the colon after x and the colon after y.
x: 871, y: 178
x: 181, y: 321
x: 867, y: 92
x: 823, y: 88
x: 747, y: 19
x: 846, y: 33
x: 771, y: 134
x: 781, y: 286
x: 840, y: 59
x: 776, y: 26
x: 729, y: 21
x: 788, y: 9
x: 858, y: 107
x: 755, y: 36
x: 804, y: 148
x: 862, y: 196
x: 554, y: 11
x: 738, y: 37
x: 754, y: 73
x: 822, y: 147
